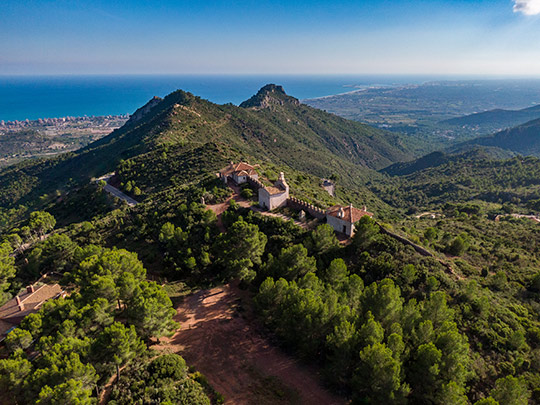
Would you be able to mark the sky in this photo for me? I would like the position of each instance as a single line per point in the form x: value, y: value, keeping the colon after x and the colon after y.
x: 459, y: 37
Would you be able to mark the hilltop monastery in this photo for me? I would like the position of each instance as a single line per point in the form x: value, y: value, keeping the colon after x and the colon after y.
x: 341, y: 218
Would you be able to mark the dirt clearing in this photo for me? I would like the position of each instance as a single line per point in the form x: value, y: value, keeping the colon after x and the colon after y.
x: 238, y: 361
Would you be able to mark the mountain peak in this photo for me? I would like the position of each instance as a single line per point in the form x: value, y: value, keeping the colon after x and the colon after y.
x: 145, y: 109
x: 269, y: 95
x: 272, y: 88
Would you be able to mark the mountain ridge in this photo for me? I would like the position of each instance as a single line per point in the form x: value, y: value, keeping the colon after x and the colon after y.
x: 282, y: 132
x: 499, y: 116
x: 439, y: 158
x: 523, y: 139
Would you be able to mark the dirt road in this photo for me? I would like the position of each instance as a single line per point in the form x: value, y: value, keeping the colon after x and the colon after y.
x: 238, y: 361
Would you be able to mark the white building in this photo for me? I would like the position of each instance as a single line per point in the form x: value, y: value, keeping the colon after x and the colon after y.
x: 274, y: 196
x: 239, y: 172
x: 342, y: 219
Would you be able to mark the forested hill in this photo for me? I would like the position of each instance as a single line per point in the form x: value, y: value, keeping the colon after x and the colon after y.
x: 435, y: 159
x: 271, y: 127
x: 431, y: 160
x: 523, y: 139
x: 438, y: 307
x: 499, y: 117
x: 440, y: 179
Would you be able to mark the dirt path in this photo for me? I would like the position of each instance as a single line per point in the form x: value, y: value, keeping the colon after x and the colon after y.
x: 431, y: 215
x: 218, y: 210
x: 222, y: 207
x: 237, y: 360
x: 304, y: 225
x: 534, y: 218
x: 107, y: 389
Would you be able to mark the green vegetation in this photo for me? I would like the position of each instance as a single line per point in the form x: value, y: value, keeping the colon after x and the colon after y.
x: 461, y: 178
x: 164, y: 379
x: 456, y: 324
x: 79, y: 339
x: 522, y: 139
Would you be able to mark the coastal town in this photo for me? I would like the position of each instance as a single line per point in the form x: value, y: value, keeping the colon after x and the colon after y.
x: 49, y: 136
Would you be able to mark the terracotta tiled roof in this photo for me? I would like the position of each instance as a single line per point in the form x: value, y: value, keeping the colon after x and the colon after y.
x: 350, y: 214
x: 237, y: 168
x: 274, y: 190
x: 11, y: 312
x: 243, y: 166
x: 4, y: 327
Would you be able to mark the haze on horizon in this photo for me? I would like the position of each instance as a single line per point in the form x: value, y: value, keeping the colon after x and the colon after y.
x: 460, y: 37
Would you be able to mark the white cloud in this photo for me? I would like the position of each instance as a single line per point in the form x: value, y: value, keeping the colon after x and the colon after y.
x: 527, y: 7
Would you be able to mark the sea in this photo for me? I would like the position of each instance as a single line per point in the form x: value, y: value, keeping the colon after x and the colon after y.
x: 33, y: 97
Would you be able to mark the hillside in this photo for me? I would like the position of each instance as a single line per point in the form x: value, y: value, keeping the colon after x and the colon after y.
x: 498, y: 118
x: 272, y: 127
x: 439, y: 302
x: 431, y: 160
x: 523, y: 139
x: 439, y: 179
x: 435, y: 159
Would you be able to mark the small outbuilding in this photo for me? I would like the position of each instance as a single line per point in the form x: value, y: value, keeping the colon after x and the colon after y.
x: 342, y: 219
x: 275, y: 196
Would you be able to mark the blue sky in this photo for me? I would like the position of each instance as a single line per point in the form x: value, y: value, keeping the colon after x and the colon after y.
x: 495, y: 37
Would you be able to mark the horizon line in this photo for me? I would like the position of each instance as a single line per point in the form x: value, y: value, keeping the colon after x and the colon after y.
x: 475, y: 75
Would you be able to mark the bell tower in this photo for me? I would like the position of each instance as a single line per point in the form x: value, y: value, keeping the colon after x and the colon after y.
x: 281, y: 182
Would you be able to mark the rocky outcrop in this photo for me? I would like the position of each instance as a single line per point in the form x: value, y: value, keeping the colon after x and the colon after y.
x: 145, y: 109
x: 268, y: 96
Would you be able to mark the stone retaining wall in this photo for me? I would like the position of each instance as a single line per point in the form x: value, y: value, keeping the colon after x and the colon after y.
x: 296, y: 204
x: 255, y: 183
x: 423, y: 251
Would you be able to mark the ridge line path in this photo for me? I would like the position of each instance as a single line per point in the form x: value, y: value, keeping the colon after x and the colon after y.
x: 219, y: 337
x: 114, y: 191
